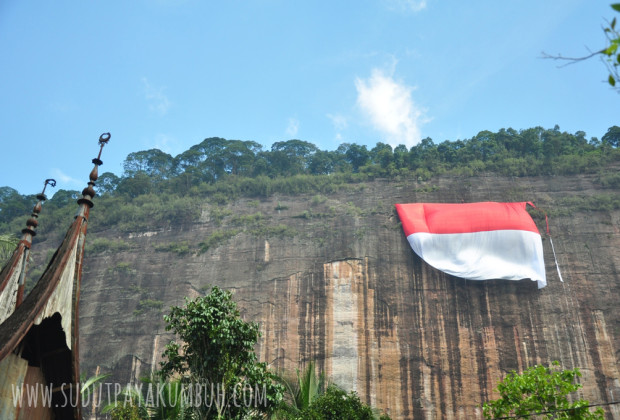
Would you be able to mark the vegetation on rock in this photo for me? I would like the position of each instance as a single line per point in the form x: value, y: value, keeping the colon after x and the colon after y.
x: 216, y: 350
x: 157, y: 190
x: 540, y: 391
x: 7, y: 246
x: 335, y: 403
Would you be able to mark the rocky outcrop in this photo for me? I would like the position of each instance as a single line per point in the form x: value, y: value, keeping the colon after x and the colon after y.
x: 331, y: 278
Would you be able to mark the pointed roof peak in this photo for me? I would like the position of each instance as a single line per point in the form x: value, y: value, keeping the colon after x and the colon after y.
x: 32, y: 223
x: 56, y: 292
x: 89, y: 192
x: 13, y: 274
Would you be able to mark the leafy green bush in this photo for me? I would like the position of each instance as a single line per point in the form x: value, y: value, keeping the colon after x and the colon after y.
x: 318, y: 199
x: 540, y: 391
x: 219, y: 198
x: 610, y: 180
x: 248, y: 220
x: 217, y: 214
x: 145, y: 305
x: 180, y: 248
x: 280, y: 231
x: 215, y: 345
x: 138, y: 290
x: 144, y: 212
x: 595, y: 202
x: 335, y: 403
x: 281, y: 207
x: 98, y: 245
x: 121, y: 267
x: 217, y: 238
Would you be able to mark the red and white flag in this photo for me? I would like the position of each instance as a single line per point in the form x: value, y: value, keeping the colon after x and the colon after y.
x: 476, y: 241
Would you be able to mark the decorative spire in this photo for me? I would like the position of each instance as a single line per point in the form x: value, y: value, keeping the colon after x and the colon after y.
x: 31, y: 224
x: 89, y: 192
x: 47, y: 321
x: 28, y: 233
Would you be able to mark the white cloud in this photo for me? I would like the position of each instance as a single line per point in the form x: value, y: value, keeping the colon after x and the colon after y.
x: 155, y: 97
x: 65, y: 181
x: 293, y: 127
x: 391, y: 110
x: 340, y: 122
x: 406, y: 5
x: 165, y: 143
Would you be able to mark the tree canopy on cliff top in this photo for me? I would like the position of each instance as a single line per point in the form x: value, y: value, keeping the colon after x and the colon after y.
x: 166, y: 187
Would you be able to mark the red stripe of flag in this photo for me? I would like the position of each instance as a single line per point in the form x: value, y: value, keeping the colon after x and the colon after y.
x: 464, y: 218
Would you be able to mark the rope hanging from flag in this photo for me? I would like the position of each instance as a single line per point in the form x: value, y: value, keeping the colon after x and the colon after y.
x: 555, y: 258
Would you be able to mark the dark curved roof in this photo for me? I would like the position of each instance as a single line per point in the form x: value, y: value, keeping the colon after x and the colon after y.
x: 43, y: 329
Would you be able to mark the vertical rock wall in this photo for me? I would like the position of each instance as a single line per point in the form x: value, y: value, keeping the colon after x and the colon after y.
x: 347, y: 292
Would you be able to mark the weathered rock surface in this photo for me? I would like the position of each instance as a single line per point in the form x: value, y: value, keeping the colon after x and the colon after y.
x: 346, y: 291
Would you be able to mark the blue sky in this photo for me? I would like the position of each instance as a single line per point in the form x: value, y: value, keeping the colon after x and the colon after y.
x: 167, y: 74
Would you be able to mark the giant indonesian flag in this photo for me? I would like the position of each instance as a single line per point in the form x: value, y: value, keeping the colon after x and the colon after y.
x: 476, y: 241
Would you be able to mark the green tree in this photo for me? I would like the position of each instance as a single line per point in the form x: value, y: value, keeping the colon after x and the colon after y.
x: 302, y: 392
x: 153, y: 162
x: 89, y: 384
x: 322, y: 163
x: 424, y: 154
x: 138, y: 184
x: 540, y: 391
x: 62, y: 198
x: 382, y: 154
x: 400, y: 155
x: 169, y: 399
x: 13, y: 204
x: 335, y: 403
x: 107, y: 183
x: 610, y: 54
x: 612, y: 137
x: 311, y: 398
x: 129, y: 405
x: 309, y: 387
x: 612, y: 51
x: 289, y: 157
x: 215, y: 157
x: 7, y: 246
x: 239, y: 157
x: 354, y: 154
x: 216, y: 349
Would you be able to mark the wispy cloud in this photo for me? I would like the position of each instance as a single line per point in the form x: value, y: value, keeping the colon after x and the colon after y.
x: 391, y: 109
x: 158, y: 102
x: 65, y: 181
x: 339, y: 121
x: 340, y: 124
x: 165, y: 143
x: 406, y: 5
x: 293, y: 127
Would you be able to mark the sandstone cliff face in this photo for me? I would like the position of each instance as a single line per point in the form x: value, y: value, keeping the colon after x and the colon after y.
x: 343, y: 288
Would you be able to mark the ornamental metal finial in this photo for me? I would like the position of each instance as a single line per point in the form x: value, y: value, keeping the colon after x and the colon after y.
x: 32, y: 223
x: 49, y: 181
x: 89, y: 192
x: 103, y: 140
